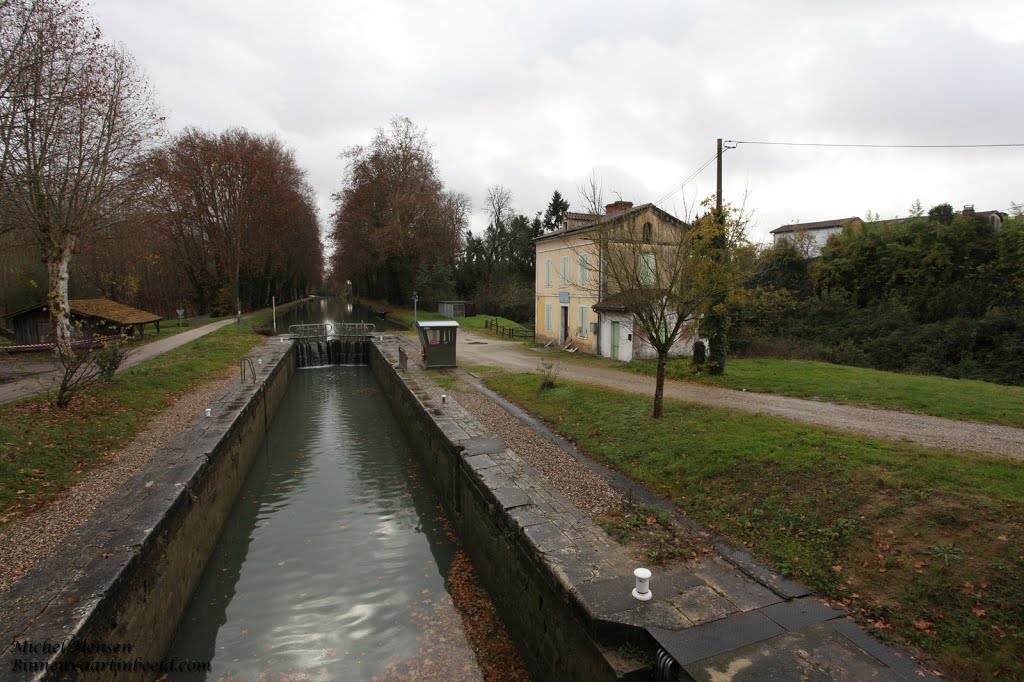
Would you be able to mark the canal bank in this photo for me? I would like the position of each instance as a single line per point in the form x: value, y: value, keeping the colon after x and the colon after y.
x: 564, y: 588
x: 561, y: 585
x: 124, y: 577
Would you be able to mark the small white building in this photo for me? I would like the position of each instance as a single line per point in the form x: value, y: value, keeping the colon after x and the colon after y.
x: 812, y: 237
x: 622, y: 339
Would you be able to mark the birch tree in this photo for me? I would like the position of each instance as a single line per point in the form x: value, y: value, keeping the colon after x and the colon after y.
x: 76, y: 116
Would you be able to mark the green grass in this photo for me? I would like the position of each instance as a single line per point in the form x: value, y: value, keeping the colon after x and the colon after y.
x: 477, y: 323
x: 925, y: 544
x: 963, y: 399
x: 44, y: 449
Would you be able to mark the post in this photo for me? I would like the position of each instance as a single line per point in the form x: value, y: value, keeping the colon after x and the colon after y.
x: 415, y: 298
x: 273, y: 312
x: 717, y: 320
x: 718, y: 193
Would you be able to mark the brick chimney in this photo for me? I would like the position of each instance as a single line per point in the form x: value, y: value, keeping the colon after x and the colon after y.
x: 618, y: 207
x: 968, y: 209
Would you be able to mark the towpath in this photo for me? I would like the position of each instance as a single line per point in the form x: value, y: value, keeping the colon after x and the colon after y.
x: 933, y: 432
x: 42, y: 381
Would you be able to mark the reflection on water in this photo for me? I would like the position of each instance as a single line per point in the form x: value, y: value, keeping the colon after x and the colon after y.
x: 331, y: 311
x: 334, y: 552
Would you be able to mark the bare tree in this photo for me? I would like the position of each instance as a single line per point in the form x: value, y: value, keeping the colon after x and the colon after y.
x: 665, y: 273
x: 77, y: 114
x: 497, y: 235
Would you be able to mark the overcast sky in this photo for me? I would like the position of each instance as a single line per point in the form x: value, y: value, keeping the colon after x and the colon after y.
x: 536, y: 95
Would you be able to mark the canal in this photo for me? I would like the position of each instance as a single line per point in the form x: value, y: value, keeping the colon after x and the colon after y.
x: 331, y: 310
x: 337, y: 562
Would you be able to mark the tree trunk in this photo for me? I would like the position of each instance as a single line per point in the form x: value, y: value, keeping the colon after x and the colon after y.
x: 659, y: 385
x: 718, y: 339
x: 58, y: 263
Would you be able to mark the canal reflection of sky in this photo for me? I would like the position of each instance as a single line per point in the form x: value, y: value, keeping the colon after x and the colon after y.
x: 334, y: 552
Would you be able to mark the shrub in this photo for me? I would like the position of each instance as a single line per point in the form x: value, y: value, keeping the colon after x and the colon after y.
x: 548, y: 374
x: 108, y: 359
x: 700, y: 353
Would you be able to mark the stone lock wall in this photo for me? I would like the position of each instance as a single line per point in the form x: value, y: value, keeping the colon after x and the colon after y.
x: 127, y: 574
x: 492, y: 521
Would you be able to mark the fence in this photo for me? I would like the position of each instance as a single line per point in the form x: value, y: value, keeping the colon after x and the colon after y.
x: 506, y: 332
x: 325, y: 329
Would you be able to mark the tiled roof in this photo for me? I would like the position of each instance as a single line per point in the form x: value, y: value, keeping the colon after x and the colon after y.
x: 820, y: 225
x: 604, y: 219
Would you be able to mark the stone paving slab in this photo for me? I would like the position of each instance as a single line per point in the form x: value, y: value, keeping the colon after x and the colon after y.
x: 717, y: 637
x: 801, y: 613
x: 722, y: 613
x: 817, y: 653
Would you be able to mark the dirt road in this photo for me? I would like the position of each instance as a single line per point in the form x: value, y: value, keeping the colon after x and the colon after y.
x: 933, y: 432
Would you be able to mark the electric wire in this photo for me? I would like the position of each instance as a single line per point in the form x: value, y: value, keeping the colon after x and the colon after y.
x: 878, y: 146
x: 688, y: 179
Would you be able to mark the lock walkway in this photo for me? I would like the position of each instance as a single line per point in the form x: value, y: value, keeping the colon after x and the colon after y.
x: 721, y: 617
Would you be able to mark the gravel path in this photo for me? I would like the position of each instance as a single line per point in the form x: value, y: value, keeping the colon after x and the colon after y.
x: 26, y: 541
x: 587, y: 491
x: 933, y: 432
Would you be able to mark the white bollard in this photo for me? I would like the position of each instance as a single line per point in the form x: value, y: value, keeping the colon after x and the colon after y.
x: 642, y: 591
x: 444, y: 399
x: 209, y: 412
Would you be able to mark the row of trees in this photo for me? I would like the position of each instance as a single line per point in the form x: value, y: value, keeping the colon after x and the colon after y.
x: 941, y: 293
x: 208, y: 221
x: 397, y: 230
x: 87, y: 177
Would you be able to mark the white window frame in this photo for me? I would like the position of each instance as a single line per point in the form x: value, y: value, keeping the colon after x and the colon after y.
x: 582, y: 320
x: 547, y: 317
x: 547, y: 272
x: 565, y: 271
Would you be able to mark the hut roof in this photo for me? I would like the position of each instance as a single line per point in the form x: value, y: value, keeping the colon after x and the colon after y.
x: 102, y: 308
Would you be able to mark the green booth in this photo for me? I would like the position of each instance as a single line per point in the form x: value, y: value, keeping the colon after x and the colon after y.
x: 437, y: 338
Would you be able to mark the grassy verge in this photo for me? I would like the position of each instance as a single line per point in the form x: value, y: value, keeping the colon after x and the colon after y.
x: 923, y: 544
x: 963, y: 399
x: 44, y: 449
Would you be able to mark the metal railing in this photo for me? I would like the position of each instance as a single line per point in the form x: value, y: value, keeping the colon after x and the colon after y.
x: 323, y: 330
x: 246, y: 364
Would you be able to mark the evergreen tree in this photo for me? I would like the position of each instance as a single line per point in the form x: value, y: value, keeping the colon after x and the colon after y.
x: 555, y: 213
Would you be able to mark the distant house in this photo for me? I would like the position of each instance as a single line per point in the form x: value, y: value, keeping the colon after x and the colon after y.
x: 90, y: 317
x: 812, y: 237
x: 575, y: 308
x: 994, y: 218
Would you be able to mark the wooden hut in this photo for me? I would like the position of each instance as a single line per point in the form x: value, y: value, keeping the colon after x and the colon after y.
x: 90, y: 317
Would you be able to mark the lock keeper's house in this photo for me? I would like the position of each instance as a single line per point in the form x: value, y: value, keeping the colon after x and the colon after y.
x: 575, y: 307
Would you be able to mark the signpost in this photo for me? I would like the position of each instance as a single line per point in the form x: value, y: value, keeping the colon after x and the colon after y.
x: 181, y: 315
x: 415, y: 298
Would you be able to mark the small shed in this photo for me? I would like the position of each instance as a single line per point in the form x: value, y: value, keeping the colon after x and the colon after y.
x: 89, y: 317
x: 454, y: 308
x: 437, y: 337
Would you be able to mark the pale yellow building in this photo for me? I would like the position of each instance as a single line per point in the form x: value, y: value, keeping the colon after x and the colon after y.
x: 569, y: 284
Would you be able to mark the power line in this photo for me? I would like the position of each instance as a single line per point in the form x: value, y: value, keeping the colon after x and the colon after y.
x: 879, y: 146
x: 692, y: 175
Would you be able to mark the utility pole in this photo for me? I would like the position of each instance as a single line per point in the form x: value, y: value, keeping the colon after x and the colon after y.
x: 718, y: 193
x: 717, y: 321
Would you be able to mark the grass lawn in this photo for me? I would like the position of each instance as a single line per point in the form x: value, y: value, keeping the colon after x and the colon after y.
x: 922, y: 544
x: 477, y: 323
x: 44, y: 449
x: 964, y: 399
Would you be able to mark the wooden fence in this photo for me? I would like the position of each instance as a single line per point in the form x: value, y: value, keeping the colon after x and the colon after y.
x: 505, y: 332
